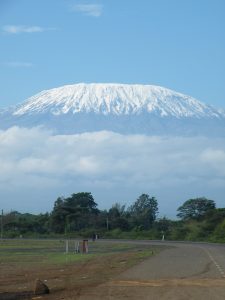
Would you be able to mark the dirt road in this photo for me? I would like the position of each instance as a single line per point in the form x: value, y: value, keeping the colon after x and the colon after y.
x: 184, y: 271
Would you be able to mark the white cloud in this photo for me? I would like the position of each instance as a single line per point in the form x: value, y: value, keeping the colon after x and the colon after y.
x: 16, y: 29
x: 215, y: 158
x: 104, y: 162
x: 18, y: 64
x: 93, y: 10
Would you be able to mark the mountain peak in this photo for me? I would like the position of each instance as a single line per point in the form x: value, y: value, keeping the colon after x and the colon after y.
x: 116, y: 99
x: 122, y: 108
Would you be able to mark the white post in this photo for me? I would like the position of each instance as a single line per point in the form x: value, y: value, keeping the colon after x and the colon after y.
x: 107, y: 223
x: 2, y: 225
x: 163, y: 237
x: 67, y: 246
x: 77, y: 245
x: 87, y: 247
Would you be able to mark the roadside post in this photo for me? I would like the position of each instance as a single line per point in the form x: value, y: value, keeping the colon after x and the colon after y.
x: 77, y: 247
x: 2, y: 225
x: 85, y: 246
x: 67, y: 246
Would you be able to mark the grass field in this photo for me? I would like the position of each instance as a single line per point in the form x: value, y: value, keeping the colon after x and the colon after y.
x: 66, y: 274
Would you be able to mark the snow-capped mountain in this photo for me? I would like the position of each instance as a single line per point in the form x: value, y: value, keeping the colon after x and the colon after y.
x: 121, y: 108
x: 116, y: 99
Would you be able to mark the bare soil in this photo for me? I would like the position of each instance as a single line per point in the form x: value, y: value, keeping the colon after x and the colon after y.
x: 65, y: 281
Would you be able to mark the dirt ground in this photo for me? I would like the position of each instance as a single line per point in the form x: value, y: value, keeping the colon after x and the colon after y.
x: 66, y: 280
x: 113, y: 270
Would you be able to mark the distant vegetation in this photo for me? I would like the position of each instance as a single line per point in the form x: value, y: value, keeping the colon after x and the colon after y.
x: 79, y: 216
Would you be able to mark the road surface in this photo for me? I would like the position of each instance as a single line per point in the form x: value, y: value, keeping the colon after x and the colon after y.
x: 182, y: 271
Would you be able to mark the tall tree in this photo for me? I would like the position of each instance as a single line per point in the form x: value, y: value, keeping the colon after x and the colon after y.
x: 144, y: 211
x: 74, y: 213
x: 117, y: 217
x: 81, y: 209
x: 195, y: 208
x: 58, y: 216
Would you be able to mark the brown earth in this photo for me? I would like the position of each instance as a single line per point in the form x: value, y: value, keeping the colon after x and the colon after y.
x: 64, y: 281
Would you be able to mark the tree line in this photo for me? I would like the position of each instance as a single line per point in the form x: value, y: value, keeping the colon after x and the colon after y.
x: 79, y: 215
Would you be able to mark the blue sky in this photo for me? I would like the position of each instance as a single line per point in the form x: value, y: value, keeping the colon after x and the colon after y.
x: 178, y: 44
x: 173, y: 43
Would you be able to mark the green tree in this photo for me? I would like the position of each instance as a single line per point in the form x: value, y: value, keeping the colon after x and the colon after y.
x: 144, y: 211
x: 17, y: 223
x: 82, y: 211
x: 117, y: 217
x: 163, y: 225
x: 42, y: 223
x: 74, y: 213
x: 58, y: 216
x: 195, y: 208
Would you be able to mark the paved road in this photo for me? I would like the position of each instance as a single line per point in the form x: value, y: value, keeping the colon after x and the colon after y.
x: 183, y: 271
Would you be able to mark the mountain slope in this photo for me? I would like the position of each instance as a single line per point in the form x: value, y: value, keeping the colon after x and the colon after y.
x: 117, y: 107
x: 117, y: 99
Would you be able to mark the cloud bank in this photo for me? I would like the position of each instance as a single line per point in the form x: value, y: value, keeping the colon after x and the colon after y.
x: 18, y: 64
x: 17, y: 29
x: 36, y: 166
x: 93, y: 10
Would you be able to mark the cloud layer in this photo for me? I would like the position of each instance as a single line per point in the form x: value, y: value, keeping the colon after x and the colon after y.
x: 33, y: 161
x: 93, y: 10
x: 18, y: 64
x: 17, y: 29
